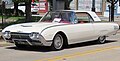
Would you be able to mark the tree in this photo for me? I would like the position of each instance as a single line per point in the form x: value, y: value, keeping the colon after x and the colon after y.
x: 28, y: 8
x: 28, y: 11
x: 112, y: 2
x: 16, y: 8
x: 67, y: 4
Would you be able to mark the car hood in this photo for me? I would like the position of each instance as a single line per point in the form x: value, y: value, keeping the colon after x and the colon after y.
x: 30, y: 27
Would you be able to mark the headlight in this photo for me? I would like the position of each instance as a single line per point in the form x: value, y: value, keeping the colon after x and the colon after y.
x: 34, y: 36
x: 7, y: 34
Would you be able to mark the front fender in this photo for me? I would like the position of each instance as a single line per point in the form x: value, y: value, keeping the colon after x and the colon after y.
x: 49, y: 33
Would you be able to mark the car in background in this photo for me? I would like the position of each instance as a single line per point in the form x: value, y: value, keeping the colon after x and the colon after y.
x: 7, y: 1
x: 59, y: 29
x: 21, y: 7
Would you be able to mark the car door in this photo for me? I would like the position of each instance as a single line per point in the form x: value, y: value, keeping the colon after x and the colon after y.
x: 82, y: 28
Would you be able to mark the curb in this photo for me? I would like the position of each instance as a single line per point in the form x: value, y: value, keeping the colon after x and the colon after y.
x: 3, y: 43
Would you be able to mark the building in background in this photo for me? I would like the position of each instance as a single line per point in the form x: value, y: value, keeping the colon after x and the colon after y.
x: 116, y: 10
x: 101, y: 6
x: 87, y: 5
x: 43, y: 5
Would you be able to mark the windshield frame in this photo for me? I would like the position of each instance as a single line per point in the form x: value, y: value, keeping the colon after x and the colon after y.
x: 63, y: 15
x: 43, y: 16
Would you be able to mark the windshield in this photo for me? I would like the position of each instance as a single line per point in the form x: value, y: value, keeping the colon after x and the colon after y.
x: 58, y: 16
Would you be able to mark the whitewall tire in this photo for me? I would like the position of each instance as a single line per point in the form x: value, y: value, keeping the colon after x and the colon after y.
x: 102, y: 39
x: 57, y: 42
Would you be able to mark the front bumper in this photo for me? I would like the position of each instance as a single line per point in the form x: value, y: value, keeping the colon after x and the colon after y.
x: 23, y: 38
x: 34, y: 10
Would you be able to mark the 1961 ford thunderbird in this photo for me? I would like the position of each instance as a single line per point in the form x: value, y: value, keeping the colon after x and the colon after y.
x: 60, y: 28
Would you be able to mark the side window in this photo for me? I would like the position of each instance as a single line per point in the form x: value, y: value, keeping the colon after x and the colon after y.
x: 83, y: 18
x: 72, y: 17
x: 90, y: 19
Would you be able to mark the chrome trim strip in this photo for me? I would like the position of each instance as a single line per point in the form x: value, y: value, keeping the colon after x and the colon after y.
x: 53, y: 26
x: 29, y: 42
x: 23, y: 40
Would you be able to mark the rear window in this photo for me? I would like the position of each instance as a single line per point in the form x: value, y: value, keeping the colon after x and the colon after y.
x: 33, y: 4
x: 85, y: 17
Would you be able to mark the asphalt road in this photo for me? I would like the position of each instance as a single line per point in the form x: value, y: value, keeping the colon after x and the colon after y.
x: 88, y: 51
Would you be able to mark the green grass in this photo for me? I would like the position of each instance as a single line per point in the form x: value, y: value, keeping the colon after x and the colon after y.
x: 17, y: 20
x: 34, y: 18
x: 12, y: 17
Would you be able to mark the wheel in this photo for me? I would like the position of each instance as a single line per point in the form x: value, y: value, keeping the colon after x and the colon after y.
x: 57, y: 42
x: 102, y: 39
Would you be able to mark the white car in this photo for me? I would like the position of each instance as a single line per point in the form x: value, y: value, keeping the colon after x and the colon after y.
x: 60, y: 28
x: 34, y: 7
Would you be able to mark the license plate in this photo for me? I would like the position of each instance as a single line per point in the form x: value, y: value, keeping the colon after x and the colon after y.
x: 20, y: 41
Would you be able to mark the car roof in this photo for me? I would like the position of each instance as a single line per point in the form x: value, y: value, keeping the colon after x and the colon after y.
x: 93, y: 15
x: 75, y: 11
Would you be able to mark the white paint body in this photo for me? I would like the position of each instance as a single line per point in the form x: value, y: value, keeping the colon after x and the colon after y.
x: 75, y: 33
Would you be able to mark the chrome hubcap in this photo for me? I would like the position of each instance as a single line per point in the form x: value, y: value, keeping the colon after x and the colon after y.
x: 102, y: 39
x: 58, y: 42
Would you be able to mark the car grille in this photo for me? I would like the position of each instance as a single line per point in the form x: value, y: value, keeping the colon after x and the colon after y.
x: 23, y: 38
x: 20, y: 35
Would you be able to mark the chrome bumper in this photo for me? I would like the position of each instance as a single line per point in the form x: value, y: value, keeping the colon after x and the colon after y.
x: 25, y: 40
x: 28, y: 42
